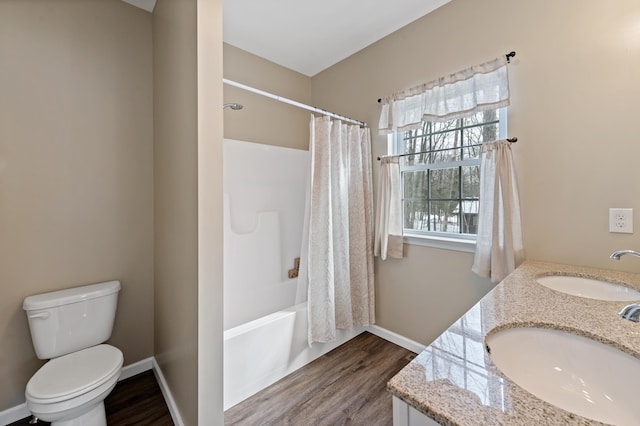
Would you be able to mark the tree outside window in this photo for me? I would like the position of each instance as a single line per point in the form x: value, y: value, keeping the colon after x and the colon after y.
x: 441, y: 181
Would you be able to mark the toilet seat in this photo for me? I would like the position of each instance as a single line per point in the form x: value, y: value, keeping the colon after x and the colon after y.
x: 75, y: 374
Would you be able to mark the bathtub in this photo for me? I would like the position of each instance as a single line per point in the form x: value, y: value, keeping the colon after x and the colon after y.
x: 265, y: 334
x: 261, y: 352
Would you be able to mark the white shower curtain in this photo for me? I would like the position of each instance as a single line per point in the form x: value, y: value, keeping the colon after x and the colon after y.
x: 337, y: 250
x: 499, y: 248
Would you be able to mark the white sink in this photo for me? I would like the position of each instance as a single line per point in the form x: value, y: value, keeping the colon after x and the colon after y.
x: 575, y: 373
x: 589, y: 288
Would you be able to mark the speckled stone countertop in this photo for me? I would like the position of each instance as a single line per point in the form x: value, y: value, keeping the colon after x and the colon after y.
x: 454, y: 382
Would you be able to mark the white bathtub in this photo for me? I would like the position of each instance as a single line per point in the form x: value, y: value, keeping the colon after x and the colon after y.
x: 261, y: 352
x: 266, y: 336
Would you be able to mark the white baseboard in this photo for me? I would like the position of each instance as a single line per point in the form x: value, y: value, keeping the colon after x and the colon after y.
x: 399, y: 340
x: 21, y: 411
x: 168, y: 398
x: 136, y: 368
x: 14, y: 414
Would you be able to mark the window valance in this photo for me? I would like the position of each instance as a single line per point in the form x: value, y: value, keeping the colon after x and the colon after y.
x: 478, y: 88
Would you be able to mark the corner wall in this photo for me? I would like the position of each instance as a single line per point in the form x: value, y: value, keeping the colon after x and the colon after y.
x: 210, y: 213
x: 76, y: 177
x: 188, y: 204
x: 175, y: 164
x: 574, y: 87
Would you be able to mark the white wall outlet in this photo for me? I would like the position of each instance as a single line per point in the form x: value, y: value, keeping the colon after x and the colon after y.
x: 621, y: 221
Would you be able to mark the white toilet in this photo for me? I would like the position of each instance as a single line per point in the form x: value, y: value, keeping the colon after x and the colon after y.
x: 68, y: 327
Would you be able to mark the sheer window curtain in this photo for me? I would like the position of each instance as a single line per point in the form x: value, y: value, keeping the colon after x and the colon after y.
x: 389, y: 226
x: 336, y: 270
x: 499, y: 248
x: 477, y: 88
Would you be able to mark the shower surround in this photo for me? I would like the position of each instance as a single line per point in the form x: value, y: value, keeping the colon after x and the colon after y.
x: 265, y: 334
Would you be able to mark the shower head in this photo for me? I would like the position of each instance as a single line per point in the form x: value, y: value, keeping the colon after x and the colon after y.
x: 233, y: 106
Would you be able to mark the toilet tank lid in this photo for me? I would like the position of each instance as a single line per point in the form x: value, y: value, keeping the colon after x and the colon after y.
x: 70, y: 295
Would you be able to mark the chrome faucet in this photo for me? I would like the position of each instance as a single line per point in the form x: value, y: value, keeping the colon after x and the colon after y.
x: 630, y: 312
x: 616, y: 255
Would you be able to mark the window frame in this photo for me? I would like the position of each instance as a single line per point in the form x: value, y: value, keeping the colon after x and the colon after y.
x: 443, y: 240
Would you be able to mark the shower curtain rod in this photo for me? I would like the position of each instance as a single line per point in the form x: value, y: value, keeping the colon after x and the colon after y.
x: 292, y: 102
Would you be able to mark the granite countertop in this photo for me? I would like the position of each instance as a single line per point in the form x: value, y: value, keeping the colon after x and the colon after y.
x: 454, y: 382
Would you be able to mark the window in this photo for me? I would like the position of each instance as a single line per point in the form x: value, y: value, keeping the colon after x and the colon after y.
x: 441, y: 182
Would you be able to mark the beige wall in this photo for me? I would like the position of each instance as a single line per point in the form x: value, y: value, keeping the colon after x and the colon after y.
x: 77, y: 165
x: 265, y: 120
x: 176, y: 200
x: 574, y: 87
x: 210, y: 231
x: 76, y: 177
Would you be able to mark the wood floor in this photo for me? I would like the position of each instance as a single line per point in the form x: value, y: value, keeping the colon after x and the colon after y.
x: 134, y: 401
x: 347, y: 386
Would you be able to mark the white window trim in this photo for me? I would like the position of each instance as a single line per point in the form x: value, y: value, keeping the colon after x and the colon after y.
x: 447, y: 243
x: 460, y: 242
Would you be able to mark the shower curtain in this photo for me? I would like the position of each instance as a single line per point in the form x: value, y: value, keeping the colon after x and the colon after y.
x: 336, y: 270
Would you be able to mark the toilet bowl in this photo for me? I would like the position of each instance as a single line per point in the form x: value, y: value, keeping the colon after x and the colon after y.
x: 70, y: 390
x: 68, y: 328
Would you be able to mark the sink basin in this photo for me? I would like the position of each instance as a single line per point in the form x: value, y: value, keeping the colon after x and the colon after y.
x: 589, y: 288
x: 575, y: 373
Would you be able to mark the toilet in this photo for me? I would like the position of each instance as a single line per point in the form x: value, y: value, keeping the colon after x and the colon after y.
x: 69, y: 328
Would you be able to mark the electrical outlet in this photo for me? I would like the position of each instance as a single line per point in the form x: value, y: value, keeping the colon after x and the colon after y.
x: 621, y: 221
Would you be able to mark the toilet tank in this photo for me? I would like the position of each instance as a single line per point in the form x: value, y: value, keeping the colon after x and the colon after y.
x: 69, y: 320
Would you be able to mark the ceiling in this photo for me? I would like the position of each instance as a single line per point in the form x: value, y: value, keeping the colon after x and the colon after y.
x: 147, y: 5
x: 309, y: 36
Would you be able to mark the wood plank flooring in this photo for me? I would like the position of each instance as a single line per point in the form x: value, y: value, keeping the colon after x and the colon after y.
x: 134, y: 401
x: 347, y: 386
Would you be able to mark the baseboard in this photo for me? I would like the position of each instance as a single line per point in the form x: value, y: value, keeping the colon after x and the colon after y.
x: 21, y: 411
x: 136, y: 368
x: 168, y: 398
x: 399, y: 340
x: 14, y: 414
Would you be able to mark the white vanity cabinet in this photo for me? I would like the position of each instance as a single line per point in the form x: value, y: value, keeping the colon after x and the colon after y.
x: 406, y: 415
